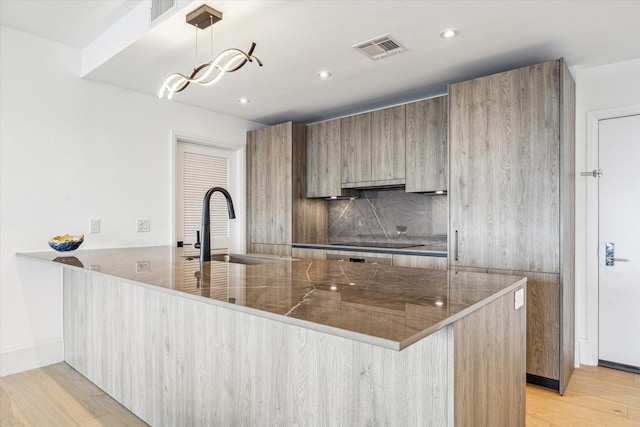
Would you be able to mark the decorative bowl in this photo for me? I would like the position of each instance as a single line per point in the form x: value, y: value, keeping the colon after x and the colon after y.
x: 66, y: 243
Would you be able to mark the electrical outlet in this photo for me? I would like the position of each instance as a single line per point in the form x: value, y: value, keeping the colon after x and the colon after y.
x: 143, y: 266
x: 95, y: 225
x: 143, y: 225
x: 519, y: 298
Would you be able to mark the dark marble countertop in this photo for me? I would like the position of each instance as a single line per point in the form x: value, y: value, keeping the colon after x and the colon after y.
x: 388, y: 306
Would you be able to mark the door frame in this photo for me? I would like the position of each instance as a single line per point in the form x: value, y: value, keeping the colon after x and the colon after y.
x: 589, y: 348
x: 237, y: 244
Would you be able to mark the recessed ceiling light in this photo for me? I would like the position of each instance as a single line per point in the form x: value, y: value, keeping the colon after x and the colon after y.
x: 323, y: 74
x: 449, y: 34
x: 243, y: 101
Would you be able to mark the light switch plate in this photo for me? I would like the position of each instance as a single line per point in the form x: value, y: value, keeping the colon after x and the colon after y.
x: 519, y: 299
x: 143, y: 225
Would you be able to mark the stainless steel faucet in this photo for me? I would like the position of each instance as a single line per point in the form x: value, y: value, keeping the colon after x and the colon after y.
x: 205, y: 245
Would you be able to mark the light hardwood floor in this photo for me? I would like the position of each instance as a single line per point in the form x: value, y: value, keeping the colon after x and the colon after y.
x: 59, y: 396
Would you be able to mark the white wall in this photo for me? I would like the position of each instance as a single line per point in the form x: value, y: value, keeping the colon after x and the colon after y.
x: 599, y: 88
x: 72, y: 150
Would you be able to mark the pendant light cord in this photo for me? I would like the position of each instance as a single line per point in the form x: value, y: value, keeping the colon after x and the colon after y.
x: 195, y: 59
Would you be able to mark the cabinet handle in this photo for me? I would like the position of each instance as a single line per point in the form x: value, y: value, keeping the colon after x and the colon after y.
x: 455, y: 249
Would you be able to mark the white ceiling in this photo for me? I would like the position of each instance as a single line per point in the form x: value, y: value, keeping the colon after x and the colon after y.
x: 295, y: 39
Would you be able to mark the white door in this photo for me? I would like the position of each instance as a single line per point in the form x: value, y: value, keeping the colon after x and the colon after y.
x: 198, y: 168
x: 619, y: 229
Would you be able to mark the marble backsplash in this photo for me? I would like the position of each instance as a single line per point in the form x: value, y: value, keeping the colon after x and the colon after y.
x: 389, y: 216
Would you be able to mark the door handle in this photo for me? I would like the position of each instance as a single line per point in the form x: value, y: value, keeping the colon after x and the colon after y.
x: 455, y: 250
x: 610, y: 259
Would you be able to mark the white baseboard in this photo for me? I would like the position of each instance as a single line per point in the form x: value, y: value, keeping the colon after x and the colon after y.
x: 22, y: 359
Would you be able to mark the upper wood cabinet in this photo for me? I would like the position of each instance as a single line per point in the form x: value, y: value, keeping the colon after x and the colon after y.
x: 388, y: 144
x: 355, y: 135
x: 373, y: 148
x: 324, y: 177
x: 278, y: 212
x: 426, y: 145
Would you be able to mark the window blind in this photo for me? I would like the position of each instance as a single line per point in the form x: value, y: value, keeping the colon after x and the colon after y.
x: 201, y: 172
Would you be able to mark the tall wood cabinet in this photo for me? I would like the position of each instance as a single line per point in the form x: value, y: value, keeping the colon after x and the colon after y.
x: 511, y: 195
x: 278, y: 212
x: 426, y: 145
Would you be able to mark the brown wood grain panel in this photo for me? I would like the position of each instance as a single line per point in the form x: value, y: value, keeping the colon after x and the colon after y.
x: 543, y: 320
x: 309, y: 216
x: 278, y: 212
x: 355, y: 137
x: 323, y: 160
x: 388, y: 143
x: 269, y: 249
x: 567, y: 225
x: 269, y: 184
x: 426, y: 145
x: 309, y: 253
x: 489, y: 360
x: 430, y: 262
x: 504, y: 160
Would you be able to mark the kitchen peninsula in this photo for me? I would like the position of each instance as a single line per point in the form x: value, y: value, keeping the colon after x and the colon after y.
x: 303, y: 342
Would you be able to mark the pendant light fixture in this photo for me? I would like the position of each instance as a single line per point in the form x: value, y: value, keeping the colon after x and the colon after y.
x: 208, y: 73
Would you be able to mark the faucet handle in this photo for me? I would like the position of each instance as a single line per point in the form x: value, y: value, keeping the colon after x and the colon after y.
x: 197, y: 244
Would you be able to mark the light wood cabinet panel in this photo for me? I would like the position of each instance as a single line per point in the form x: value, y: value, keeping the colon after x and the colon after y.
x: 388, y: 144
x: 426, y: 145
x: 504, y: 192
x: 355, y: 134
x: 269, y: 249
x: 270, y: 184
x: 543, y: 320
x: 324, y: 177
x: 567, y: 224
x: 430, y: 262
x: 368, y: 257
x: 543, y: 325
x: 494, y: 395
x: 372, y: 148
x: 309, y: 253
x: 278, y: 212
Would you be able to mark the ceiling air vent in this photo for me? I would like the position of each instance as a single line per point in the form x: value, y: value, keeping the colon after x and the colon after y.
x: 380, y: 47
x: 160, y: 7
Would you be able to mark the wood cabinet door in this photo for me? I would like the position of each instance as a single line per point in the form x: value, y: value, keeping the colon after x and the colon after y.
x: 504, y: 160
x: 388, y: 144
x: 269, y: 185
x: 355, y: 135
x: 426, y: 145
x: 323, y: 159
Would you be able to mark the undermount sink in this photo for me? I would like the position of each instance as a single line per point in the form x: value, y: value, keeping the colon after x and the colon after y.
x: 242, y: 259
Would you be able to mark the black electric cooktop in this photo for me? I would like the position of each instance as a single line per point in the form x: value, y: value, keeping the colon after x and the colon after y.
x: 379, y: 245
